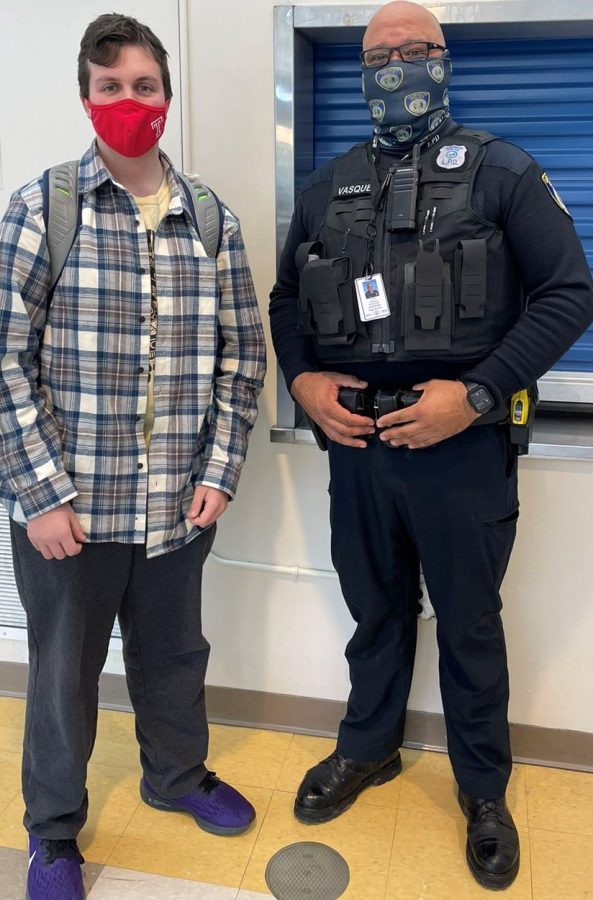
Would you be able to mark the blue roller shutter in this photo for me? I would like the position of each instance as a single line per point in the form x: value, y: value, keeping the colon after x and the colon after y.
x: 537, y: 94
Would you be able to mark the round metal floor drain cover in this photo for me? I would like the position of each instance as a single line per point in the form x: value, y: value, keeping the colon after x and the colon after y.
x: 307, y: 871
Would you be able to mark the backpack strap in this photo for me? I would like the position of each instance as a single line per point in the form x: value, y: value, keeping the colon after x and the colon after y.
x: 62, y: 211
x: 206, y: 211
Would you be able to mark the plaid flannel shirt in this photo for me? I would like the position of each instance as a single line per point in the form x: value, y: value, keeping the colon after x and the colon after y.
x: 73, y: 379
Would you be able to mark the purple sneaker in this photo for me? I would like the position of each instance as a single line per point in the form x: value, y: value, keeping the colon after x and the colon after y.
x: 216, y: 806
x: 54, y: 870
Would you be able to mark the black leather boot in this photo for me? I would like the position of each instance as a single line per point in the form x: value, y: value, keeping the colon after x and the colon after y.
x: 492, y: 848
x: 330, y: 787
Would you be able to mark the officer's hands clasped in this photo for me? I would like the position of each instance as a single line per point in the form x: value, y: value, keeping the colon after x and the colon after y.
x: 441, y: 412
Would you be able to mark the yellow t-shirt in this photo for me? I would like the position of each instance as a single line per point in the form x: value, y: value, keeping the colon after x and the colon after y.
x: 152, y: 209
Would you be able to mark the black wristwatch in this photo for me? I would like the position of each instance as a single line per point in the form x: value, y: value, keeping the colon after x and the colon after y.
x: 479, y: 397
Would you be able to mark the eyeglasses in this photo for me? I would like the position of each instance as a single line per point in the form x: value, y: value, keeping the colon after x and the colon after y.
x: 414, y: 51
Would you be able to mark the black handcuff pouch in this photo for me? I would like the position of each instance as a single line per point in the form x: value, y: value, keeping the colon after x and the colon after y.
x: 427, y: 301
x: 326, y: 297
x: 470, y: 278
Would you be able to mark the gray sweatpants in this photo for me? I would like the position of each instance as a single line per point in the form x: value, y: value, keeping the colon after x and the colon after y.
x: 71, y: 605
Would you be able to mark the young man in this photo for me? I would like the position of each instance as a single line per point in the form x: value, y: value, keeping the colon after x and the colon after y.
x: 484, y: 231
x: 126, y: 401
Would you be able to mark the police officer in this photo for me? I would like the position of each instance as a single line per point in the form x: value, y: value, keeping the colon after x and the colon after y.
x: 484, y: 286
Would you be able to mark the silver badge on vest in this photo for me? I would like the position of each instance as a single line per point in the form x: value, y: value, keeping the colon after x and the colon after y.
x: 452, y: 156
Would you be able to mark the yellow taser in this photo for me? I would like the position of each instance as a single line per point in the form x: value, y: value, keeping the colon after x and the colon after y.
x: 520, y: 408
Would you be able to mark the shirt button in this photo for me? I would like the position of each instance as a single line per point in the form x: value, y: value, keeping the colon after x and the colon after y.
x: 138, y: 418
x: 142, y: 271
x: 143, y: 318
x: 140, y: 465
x: 140, y: 370
x: 137, y: 221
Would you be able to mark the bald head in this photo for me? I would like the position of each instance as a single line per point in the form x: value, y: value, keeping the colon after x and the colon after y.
x: 399, y: 22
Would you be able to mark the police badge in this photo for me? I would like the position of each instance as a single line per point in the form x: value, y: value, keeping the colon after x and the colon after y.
x: 451, y: 157
x: 390, y: 78
x: 417, y: 103
x: 436, y: 118
x: 554, y: 194
x: 401, y: 132
x: 377, y: 108
x: 436, y: 70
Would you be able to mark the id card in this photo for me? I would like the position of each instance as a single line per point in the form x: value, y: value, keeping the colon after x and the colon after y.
x: 372, y: 299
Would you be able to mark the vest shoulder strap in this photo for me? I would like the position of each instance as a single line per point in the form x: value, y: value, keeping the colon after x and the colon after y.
x: 206, y: 211
x: 481, y: 137
x: 353, y: 168
x: 462, y: 168
x: 62, y: 209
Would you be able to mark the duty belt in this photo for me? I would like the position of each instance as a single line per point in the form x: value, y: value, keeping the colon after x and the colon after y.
x: 375, y: 404
x: 378, y: 403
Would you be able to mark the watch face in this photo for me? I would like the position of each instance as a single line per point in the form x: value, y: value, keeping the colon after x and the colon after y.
x: 479, y: 397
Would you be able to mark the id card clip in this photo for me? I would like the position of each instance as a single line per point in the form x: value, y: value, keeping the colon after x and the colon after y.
x: 372, y: 299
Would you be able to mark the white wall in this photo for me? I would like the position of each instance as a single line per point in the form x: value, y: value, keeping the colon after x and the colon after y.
x: 268, y: 632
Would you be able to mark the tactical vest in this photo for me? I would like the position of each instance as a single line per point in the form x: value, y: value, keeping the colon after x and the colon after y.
x: 452, y: 286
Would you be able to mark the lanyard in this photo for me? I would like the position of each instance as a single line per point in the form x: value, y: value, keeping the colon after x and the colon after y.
x: 371, y: 228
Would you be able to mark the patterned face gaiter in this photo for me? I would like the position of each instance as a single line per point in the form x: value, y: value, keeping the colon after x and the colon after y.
x: 408, y: 101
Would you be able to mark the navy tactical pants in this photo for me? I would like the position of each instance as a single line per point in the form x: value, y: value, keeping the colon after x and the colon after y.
x: 454, y: 507
x: 71, y: 605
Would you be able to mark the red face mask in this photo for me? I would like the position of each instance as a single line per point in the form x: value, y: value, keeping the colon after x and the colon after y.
x: 128, y: 127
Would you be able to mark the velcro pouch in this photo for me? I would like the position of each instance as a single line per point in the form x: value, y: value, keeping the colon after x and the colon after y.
x: 326, y: 291
x: 470, y: 278
x: 427, y: 301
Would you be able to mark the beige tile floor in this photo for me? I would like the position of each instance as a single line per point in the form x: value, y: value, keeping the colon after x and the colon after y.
x: 403, y: 841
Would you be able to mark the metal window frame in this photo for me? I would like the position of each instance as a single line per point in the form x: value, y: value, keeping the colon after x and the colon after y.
x: 296, y: 28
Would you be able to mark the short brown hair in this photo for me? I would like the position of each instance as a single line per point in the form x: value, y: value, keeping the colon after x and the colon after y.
x: 103, y: 39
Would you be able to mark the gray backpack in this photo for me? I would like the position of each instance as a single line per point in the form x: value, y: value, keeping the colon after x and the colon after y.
x: 62, y: 211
